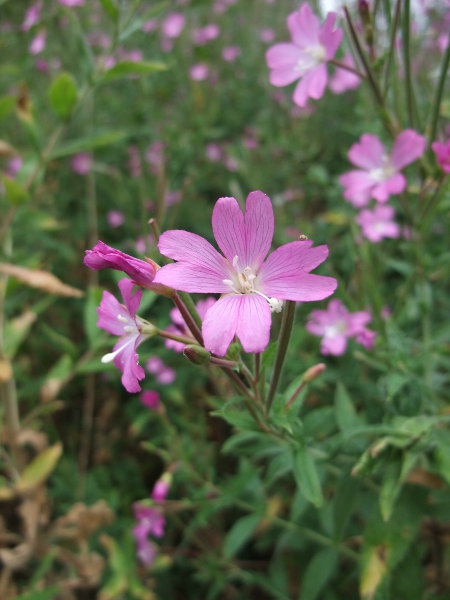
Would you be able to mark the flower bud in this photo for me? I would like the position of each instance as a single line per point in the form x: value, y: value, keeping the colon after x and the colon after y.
x: 314, y: 372
x: 161, y: 487
x: 197, y: 354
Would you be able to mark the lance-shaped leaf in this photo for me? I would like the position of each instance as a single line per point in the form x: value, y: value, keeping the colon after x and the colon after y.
x: 305, y: 474
x: 63, y: 95
x: 128, y: 67
x: 39, y: 469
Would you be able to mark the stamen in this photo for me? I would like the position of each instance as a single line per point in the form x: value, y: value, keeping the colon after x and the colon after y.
x: 122, y: 319
x: 275, y: 305
x: 129, y: 329
x: 235, y: 261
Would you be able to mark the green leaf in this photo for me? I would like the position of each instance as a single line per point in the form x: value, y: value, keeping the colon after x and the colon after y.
x: 49, y: 593
x: 305, y: 474
x: 110, y: 9
x: 40, y: 468
x: 343, y: 502
x: 346, y: 416
x: 93, y: 300
x: 15, y: 193
x: 63, y: 95
x: 269, y: 355
x: 394, y: 382
x: 239, y: 534
x: 7, y: 106
x: 319, y: 570
x: 390, y: 489
x: 105, y: 138
x: 128, y: 67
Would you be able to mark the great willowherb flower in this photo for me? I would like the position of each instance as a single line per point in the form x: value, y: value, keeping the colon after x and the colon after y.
x: 442, y: 152
x: 142, y: 272
x: 32, y: 16
x: 336, y: 324
x: 251, y: 288
x: 121, y: 320
x: 150, y: 521
x: 164, y: 375
x: 378, y: 223
x: 306, y: 57
x: 379, y: 174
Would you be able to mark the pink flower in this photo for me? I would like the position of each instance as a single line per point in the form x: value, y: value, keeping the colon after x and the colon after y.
x: 150, y: 521
x: 134, y: 162
x: 38, y: 43
x: 172, y: 197
x: 14, y: 166
x: 141, y: 272
x: 161, y: 488
x: 179, y: 326
x: 344, y: 80
x: 122, y: 320
x: 164, y: 375
x: 336, y: 325
x: 214, y: 152
x: 199, y: 72
x: 155, y: 156
x: 71, y: 3
x: 379, y: 174
x: 81, y: 163
x: 150, y: 399
x: 173, y: 25
x: 149, y: 25
x: 115, y: 218
x: 442, y: 151
x: 205, y: 34
x: 230, y: 53
x: 252, y: 289
x: 267, y: 35
x: 32, y: 16
x: 305, y: 58
x: 378, y: 223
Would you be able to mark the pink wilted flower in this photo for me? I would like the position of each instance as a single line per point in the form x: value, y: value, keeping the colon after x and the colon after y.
x: 442, y: 151
x: 251, y: 288
x: 164, y: 375
x: 141, y: 272
x: 38, y: 43
x: 81, y: 163
x: 32, y: 16
x: 344, y: 80
x: 336, y: 324
x: 122, y: 320
x: 379, y: 174
x: 150, y: 521
x: 179, y: 326
x: 150, y: 399
x: 378, y: 223
x: 305, y: 58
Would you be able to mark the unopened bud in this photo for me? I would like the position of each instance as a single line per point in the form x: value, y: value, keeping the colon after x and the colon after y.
x: 197, y: 354
x: 314, y: 372
x: 364, y: 11
x: 161, y: 487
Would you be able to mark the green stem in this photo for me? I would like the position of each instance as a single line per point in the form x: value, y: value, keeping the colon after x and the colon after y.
x: 411, y: 107
x: 287, y: 323
x: 341, y: 65
x: 391, y: 54
x: 238, y: 383
x: 439, y: 91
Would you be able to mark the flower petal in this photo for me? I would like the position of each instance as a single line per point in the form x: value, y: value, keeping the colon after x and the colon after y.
x: 283, y: 55
x: 132, y: 301
x: 317, y: 81
x: 220, y: 323
x: 259, y: 225
x: 329, y: 37
x: 367, y: 153
x: 253, y: 326
x: 408, y: 147
x: 127, y: 361
x: 394, y: 185
x: 109, y: 311
x: 304, y: 27
x: 282, y: 76
x: 229, y: 229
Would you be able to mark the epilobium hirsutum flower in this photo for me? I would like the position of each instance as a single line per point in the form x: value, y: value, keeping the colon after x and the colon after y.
x: 142, y: 272
x: 378, y: 223
x: 336, y: 325
x: 150, y: 521
x: 379, y: 174
x: 122, y: 320
x: 251, y: 288
x: 442, y: 152
x: 306, y: 57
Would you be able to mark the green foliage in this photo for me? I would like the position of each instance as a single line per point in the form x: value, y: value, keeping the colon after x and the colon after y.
x: 63, y: 95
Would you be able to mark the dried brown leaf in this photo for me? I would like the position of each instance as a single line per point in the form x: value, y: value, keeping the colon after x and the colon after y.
x: 6, y: 371
x: 43, y: 280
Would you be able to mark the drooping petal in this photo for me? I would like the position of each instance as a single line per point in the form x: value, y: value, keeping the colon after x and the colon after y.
x: 108, y: 315
x: 408, y: 147
x: 304, y: 27
x: 282, y: 76
x: 259, y: 225
x: 200, y: 268
x: 367, y: 153
x: 132, y: 301
x: 127, y: 361
x: 284, y: 275
x: 283, y: 55
x: 220, y: 323
x: 253, y: 326
x: 229, y: 229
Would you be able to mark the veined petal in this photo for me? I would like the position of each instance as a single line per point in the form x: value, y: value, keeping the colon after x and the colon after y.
x: 109, y: 312
x: 229, y: 230
x: 132, y: 301
x: 259, y: 226
x: 330, y: 38
x: 302, y: 287
x: 193, y: 279
x: 304, y: 27
x: 367, y: 153
x: 253, y: 326
x: 127, y: 361
x: 283, y: 55
x: 408, y: 147
x: 220, y: 323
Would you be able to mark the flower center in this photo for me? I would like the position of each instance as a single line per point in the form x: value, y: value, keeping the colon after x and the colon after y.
x: 310, y: 58
x: 384, y: 172
x: 337, y: 329
x: 244, y: 282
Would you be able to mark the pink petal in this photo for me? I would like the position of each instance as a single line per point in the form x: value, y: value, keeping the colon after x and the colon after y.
x: 330, y: 38
x: 229, y: 229
x: 132, y: 302
x: 335, y: 345
x: 253, y: 326
x: 108, y: 312
x: 283, y: 55
x: 284, y: 275
x: 358, y: 186
x: 304, y: 26
x: 301, y: 92
x: 283, y: 76
x: 408, y: 147
x: 367, y: 153
x: 127, y: 362
x: 200, y: 268
x: 220, y: 323
x: 394, y: 185
x: 317, y: 81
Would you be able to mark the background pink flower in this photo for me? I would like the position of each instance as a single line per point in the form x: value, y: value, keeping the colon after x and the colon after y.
x: 442, y: 152
x: 378, y: 223
x: 343, y: 80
